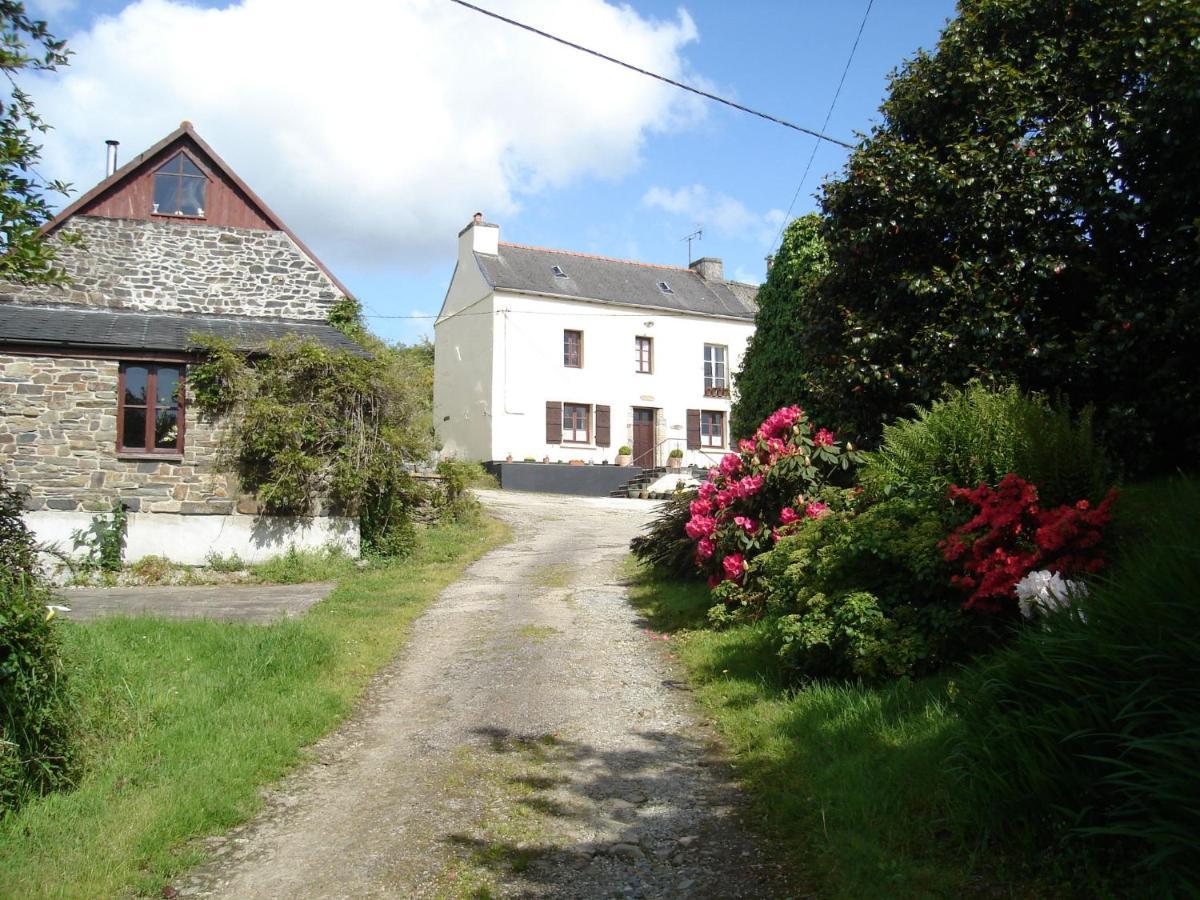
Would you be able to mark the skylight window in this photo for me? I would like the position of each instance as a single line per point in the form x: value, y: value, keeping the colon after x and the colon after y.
x: 665, y: 288
x: 558, y: 272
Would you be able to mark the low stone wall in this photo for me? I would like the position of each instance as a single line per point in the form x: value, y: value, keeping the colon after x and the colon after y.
x: 189, y: 539
x: 58, y: 442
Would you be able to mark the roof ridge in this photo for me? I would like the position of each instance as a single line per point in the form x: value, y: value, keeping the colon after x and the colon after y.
x: 628, y: 262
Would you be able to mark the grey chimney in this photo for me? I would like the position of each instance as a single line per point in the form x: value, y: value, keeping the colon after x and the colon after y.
x: 111, y: 163
x: 709, y: 268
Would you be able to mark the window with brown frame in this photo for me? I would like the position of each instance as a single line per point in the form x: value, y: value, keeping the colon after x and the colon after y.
x: 712, y: 428
x: 179, y: 187
x: 575, y: 423
x: 150, y: 409
x: 643, y: 348
x: 573, y: 349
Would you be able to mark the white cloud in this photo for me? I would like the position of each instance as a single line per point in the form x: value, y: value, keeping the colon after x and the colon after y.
x: 725, y: 215
x: 374, y: 129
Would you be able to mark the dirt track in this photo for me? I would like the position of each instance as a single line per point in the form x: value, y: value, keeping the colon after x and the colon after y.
x: 531, y: 741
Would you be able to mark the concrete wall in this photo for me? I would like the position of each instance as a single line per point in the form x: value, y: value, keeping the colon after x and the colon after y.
x: 189, y: 539
x: 581, y: 481
x: 528, y: 371
x: 163, y: 267
x: 462, y: 366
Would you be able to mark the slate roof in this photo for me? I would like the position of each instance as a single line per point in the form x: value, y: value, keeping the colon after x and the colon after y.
x: 599, y: 278
x: 90, y: 328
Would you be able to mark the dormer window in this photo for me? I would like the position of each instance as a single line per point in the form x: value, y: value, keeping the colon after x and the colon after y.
x: 179, y: 188
x: 665, y: 288
x: 558, y: 272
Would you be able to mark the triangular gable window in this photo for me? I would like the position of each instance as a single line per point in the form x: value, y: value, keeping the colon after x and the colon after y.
x: 179, y: 188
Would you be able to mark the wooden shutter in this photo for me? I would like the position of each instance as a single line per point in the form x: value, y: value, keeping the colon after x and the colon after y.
x: 603, y: 426
x: 693, y: 429
x: 554, y: 422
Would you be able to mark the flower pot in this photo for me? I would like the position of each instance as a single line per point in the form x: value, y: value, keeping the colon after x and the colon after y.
x: 675, y: 462
x: 624, y: 459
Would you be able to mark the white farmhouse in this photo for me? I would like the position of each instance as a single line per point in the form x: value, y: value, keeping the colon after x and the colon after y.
x: 561, y: 356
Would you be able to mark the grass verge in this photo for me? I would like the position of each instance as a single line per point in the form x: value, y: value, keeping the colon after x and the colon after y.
x: 850, y: 779
x: 184, y: 721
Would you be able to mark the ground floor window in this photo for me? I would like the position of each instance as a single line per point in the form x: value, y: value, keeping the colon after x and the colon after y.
x: 575, y: 423
x: 712, y: 428
x: 150, y: 408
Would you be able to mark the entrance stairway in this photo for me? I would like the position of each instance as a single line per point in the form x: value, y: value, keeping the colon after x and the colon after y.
x: 638, y: 487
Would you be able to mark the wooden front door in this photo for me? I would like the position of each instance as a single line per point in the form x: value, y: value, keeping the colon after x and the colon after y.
x: 643, y: 437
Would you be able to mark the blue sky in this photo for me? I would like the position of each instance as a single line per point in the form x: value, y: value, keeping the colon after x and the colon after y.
x: 377, y: 138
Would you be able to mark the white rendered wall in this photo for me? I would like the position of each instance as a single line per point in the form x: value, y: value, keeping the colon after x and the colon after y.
x: 528, y: 371
x: 188, y: 540
x: 462, y: 366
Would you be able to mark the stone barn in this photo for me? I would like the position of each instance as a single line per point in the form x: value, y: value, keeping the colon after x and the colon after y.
x: 93, y: 372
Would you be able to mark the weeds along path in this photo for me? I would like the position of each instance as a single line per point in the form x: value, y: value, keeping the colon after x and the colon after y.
x: 531, y: 741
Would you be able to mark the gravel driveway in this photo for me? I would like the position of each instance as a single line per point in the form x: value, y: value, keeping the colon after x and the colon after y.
x: 531, y: 741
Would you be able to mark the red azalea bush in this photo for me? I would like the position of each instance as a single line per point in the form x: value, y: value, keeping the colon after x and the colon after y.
x: 769, y: 484
x: 1010, y: 536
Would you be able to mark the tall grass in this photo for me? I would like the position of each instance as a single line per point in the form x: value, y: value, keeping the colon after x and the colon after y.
x: 183, y: 721
x: 849, y: 778
x: 1087, y: 730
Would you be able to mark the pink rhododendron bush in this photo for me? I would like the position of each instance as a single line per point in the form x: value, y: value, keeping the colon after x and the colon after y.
x: 759, y: 493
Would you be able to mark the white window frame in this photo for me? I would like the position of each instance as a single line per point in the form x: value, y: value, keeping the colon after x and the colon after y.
x: 716, y: 367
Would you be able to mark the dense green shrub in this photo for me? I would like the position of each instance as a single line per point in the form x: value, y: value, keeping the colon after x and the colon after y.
x: 35, y: 745
x: 770, y: 377
x: 864, y: 592
x: 664, y: 543
x: 1023, y: 212
x: 978, y: 435
x: 309, y: 428
x: 1088, y: 728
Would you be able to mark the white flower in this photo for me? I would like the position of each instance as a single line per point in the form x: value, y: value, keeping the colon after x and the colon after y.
x: 1045, y: 592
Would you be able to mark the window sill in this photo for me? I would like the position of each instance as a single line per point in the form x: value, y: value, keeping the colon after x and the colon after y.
x: 162, y: 215
x: 134, y: 456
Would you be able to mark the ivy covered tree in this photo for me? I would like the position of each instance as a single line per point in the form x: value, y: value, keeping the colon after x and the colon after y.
x: 1027, y: 210
x: 770, y: 377
x: 25, y: 45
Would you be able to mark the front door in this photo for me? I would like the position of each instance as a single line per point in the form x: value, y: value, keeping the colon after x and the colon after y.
x: 643, y: 437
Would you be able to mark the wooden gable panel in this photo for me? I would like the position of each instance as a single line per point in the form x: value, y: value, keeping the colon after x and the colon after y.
x: 133, y: 197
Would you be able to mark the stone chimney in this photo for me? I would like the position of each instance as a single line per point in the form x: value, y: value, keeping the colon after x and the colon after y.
x: 478, y: 237
x: 709, y: 268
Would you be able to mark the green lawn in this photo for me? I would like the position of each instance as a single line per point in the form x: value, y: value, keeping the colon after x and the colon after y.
x: 183, y: 722
x: 852, y: 780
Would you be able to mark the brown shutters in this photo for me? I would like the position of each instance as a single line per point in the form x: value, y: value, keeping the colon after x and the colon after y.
x: 693, y: 429
x: 553, y: 422
x: 603, y: 426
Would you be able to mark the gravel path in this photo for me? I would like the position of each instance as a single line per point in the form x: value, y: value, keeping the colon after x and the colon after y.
x: 531, y: 741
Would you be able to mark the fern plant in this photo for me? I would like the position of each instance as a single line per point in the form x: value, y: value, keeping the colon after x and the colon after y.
x: 978, y: 435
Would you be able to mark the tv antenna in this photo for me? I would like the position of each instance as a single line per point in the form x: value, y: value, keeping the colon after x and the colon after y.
x: 696, y: 235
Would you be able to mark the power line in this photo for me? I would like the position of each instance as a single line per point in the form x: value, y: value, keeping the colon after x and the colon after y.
x: 663, y: 78
x: 824, y: 125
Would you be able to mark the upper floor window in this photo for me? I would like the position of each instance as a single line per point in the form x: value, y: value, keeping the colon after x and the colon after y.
x: 179, y: 188
x: 575, y: 423
x: 150, y: 408
x: 573, y: 349
x: 643, y: 349
x: 716, y: 379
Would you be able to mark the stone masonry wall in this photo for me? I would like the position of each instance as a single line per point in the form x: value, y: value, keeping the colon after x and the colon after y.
x: 164, y: 267
x: 58, y: 435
